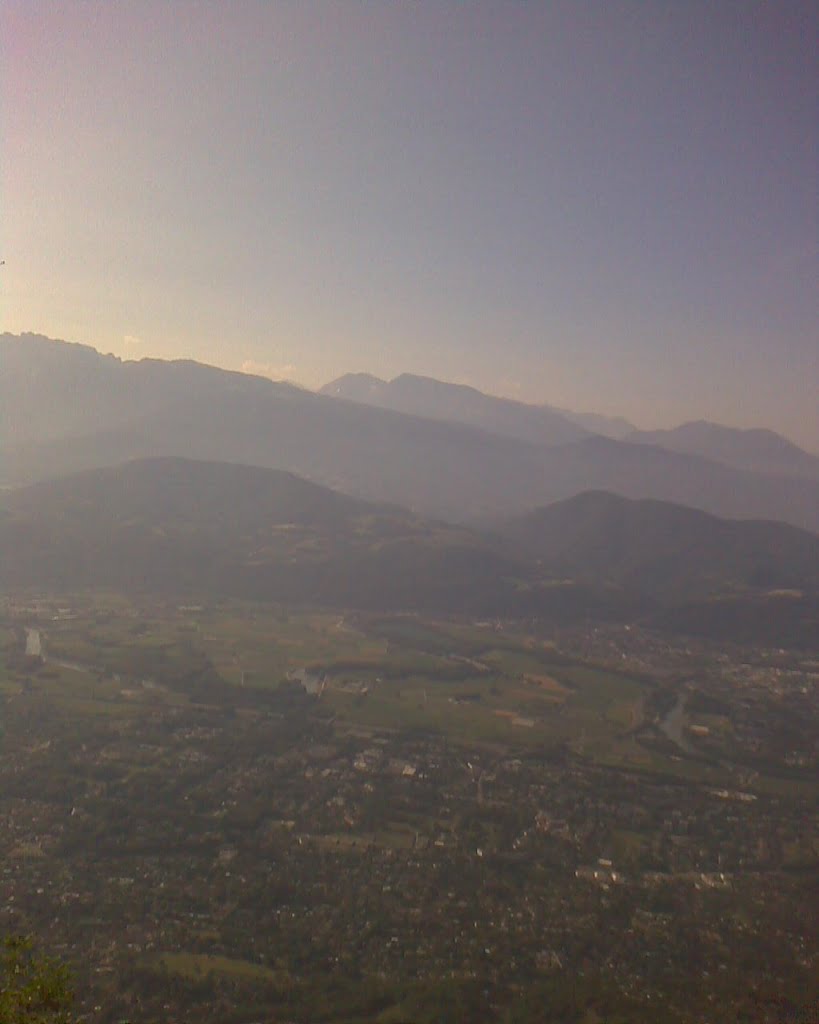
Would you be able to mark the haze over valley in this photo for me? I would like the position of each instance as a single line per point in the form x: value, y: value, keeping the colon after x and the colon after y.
x: 409, y: 513
x: 414, y: 495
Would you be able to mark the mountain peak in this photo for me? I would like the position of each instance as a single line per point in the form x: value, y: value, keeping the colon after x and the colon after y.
x: 755, y: 448
x: 352, y: 385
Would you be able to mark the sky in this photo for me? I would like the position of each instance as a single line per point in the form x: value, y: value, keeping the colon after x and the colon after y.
x: 607, y: 206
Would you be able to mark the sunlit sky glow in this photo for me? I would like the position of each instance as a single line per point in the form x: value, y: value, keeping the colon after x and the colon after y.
x: 606, y: 206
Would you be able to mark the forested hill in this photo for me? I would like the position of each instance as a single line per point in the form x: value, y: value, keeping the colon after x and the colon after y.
x: 222, y: 530
x: 658, y: 548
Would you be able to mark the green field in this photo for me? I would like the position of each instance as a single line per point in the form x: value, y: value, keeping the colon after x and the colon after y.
x: 198, y: 965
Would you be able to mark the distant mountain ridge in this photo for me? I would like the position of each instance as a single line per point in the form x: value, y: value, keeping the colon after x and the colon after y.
x: 51, y: 390
x: 615, y: 427
x: 757, y: 449
x: 754, y: 450
x: 435, y: 399
x: 65, y: 408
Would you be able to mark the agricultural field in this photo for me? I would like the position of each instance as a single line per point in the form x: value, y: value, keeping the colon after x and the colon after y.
x: 484, y: 683
x: 471, y: 683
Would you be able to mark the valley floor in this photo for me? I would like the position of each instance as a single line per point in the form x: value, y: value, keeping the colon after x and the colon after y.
x: 238, y: 813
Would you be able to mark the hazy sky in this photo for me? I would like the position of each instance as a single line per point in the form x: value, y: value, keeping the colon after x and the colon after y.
x: 607, y: 206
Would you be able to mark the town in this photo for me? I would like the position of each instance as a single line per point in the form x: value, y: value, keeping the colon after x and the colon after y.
x: 285, y: 851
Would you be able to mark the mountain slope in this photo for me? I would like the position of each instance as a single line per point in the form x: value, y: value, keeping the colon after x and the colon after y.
x: 756, y: 450
x: 435, y: 399
x: 425, y: 396
x: 666, y: 550
x: 53, y: 390
x: 222, y: 529
x: 615, y: 427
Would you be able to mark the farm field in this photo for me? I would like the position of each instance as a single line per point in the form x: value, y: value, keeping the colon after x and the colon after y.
x: 471, y: 683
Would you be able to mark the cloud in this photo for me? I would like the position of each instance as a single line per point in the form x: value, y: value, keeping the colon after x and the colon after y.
x: 131, y: 341
x: 271, y: 370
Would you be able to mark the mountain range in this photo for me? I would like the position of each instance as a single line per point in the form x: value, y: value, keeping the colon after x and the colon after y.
x: 66, y: 407
x: 754, y: 450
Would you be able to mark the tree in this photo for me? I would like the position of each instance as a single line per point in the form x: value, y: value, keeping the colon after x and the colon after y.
x: 34, y: 989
